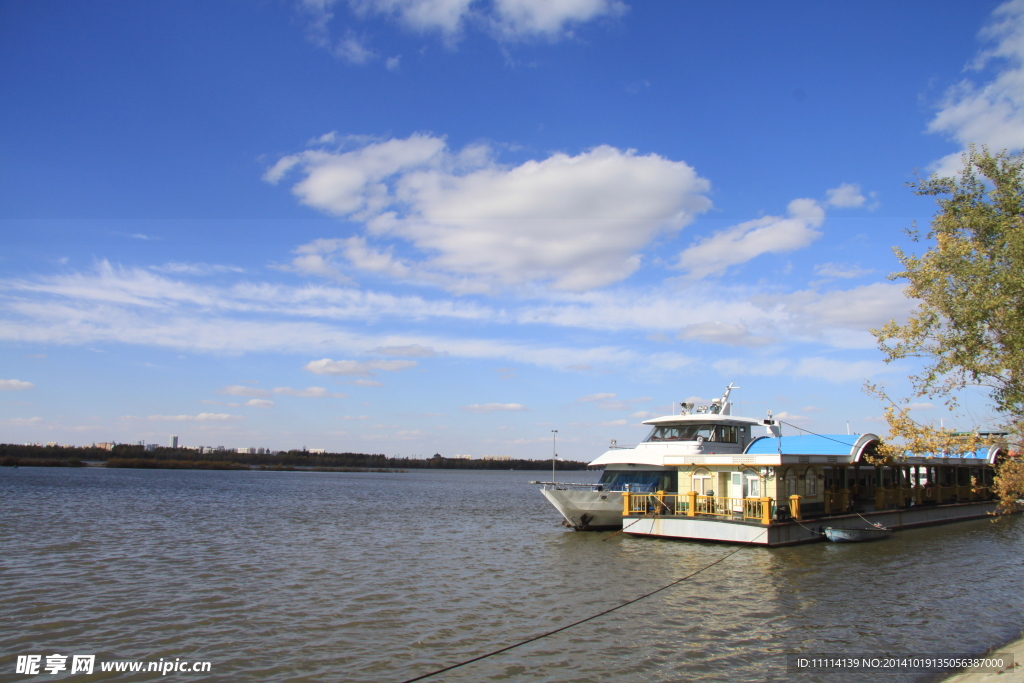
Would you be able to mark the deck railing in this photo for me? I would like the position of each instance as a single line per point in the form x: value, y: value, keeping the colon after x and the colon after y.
x: 763, y: 509
x: 891, y: 497
x: 690, y: 505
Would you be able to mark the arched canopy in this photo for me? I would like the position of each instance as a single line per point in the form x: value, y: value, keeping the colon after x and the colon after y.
x: 848, y: 448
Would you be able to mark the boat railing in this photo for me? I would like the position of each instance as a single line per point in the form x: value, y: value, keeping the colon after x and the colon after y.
x: 691, y: 505
x: 904, y: 496
x: 563, y: 486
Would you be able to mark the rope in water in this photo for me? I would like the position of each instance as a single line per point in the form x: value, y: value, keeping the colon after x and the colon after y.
x: 581, y: 621
x: 640, y: 519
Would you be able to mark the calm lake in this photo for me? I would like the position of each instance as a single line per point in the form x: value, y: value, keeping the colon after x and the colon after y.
x: 302, y: 576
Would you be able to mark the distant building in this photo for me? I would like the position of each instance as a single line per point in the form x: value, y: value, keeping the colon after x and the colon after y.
x: 106, y: 445
x: 462, y: 457
x: 318, y: 451
x: 496, y: 457
x: 247, y: 451
x: 174, y: 441
x: 51, y: 443
x: 152, y: 446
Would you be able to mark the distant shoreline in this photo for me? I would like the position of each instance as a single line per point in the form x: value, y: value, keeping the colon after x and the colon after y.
x: 137, y: 457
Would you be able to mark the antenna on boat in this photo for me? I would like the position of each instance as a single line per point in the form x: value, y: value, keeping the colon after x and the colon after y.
x: 554, y: 454
x: 725, y: 408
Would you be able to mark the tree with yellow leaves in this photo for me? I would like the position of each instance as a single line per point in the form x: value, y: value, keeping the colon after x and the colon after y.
x: 969, y: 324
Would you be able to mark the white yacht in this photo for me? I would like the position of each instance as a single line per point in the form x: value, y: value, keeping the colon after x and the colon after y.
x: 653, y: 465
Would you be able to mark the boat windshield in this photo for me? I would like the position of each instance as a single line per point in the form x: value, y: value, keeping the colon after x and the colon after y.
x: 639, y: 481
x: 689, y: 432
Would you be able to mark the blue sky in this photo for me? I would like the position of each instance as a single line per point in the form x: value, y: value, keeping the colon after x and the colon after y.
x: 419, y: 226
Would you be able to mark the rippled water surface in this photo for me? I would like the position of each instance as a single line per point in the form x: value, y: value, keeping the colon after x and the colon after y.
x: 294, y: 576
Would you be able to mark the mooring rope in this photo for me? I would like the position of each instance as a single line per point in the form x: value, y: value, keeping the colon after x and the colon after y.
x: 874, y: 524
x: 814, y: 434
x: 582, y: 621
x: 816, y: 533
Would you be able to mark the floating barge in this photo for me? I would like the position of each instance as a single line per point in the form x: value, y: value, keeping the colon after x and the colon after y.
x: 806, y: 483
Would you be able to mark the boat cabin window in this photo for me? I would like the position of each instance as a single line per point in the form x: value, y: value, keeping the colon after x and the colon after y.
x: 810, y: 482
x: 790, y: 481
x: 640, y: 481
x: 689, y: 432
x: 701, y: 482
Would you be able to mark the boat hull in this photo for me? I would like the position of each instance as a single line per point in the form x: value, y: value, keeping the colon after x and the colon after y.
x: 704, y: 528
x: 587, y: 510
x: 837, y: 535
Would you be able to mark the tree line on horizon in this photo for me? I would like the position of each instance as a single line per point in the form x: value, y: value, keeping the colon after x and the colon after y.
x: 178, y: 458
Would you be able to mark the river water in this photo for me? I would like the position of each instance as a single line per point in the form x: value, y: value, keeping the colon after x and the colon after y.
x: 380, y: 577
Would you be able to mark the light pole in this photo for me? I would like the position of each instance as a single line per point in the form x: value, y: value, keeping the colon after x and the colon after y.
x: 554, y: 453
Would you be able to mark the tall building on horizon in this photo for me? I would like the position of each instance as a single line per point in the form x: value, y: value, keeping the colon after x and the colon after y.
x: 174, y: 440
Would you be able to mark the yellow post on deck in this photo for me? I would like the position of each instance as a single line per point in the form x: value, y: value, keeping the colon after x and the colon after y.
x: 766, y: 511
x: 794, y: 507
x: 625, y: 503
x: 691, y: 506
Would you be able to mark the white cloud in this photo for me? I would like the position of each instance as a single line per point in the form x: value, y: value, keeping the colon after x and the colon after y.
x: 551, y: 18
x: 136, y: 306
x: 196, y: 268
x: 494, y: 407
x: 201, y: 417
x: 828, y: 369
x: 846, y: 196
x: 838, y: 370
x: 309, y: 392
x: 840, y: 270
x: 326, y: 366
x: 240, y: 390
x: 991, y: 113
x: 738, y: 244
x: 595, y: 397
x: 737, y: 367
x: 834, y: 315
x: 319, y: 258
x: 15, y: 385
x: 730, y: 334
x: 259, y: 403
x: 351, y: 49
x: 445, y: 16
x: 627, y: 404
x: 408, y: 351
x: 505, y: 19
x: 615, y: 423
x: 393, y: 63
x: 577, y: 222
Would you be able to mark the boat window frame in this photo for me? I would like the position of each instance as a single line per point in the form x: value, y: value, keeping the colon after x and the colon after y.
x: 696, y: 474
x: 749, y: 474
x: 716, y: 433
x: 811, y: 483
x: 790, y: 486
